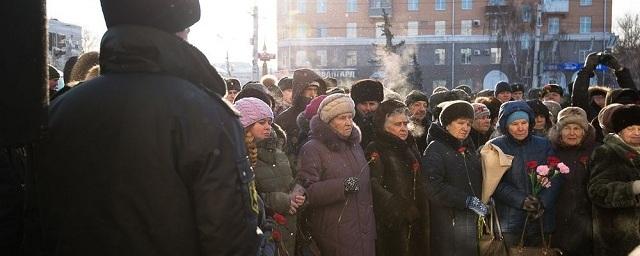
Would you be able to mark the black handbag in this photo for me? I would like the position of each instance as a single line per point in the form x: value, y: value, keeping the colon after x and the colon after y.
x: 491, y: 243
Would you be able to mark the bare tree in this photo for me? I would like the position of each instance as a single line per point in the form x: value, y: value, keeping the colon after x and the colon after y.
x: 90, y: 42
x: 627, y: 48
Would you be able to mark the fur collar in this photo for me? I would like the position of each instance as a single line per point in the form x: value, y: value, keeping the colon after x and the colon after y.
x: 278, y: 139
x: 388, y: 141
x: 322, y: 132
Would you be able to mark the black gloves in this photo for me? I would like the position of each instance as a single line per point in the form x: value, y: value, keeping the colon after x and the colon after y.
x: 474, y: 204
x: 351, y: 184
x: 533, y: 206
x: 592, y: 61
x: 608, y: 60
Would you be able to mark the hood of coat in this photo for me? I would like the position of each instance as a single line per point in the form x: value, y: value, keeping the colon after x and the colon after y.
x: 438, y: 133
x: 301, y: 79
x: 509, y: 108
x: 588, y: 139
x: 136, y: 49
x: 322, y: 132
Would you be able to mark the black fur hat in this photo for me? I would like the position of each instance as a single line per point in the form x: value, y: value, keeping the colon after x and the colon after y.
x: 517, y: 87
x: 415, y: 96
x: 367, y: 90
x: 453, y: 110
x: 624, y: 117
x: 501, y: 86
x: 552, y: 88
x: 168, y: 15
x: 233, y: 84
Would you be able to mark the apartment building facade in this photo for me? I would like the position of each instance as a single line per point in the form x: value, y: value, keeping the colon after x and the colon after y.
x: 476, y: 43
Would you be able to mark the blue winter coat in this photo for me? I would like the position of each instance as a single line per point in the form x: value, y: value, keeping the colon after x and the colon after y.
x: 515, y: 185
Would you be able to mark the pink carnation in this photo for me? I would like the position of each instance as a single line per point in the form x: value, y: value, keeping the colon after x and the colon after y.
x: 564, y: 169
x: 542, y: 170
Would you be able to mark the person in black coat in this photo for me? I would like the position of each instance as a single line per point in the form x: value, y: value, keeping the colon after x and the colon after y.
x: 146, y: 159
x: 367, y: 94
x: 573, y: 139
x: 481, y: 128
x: 418, y: 104
x: 580, y: 93
x: 397, y: 185
x: 453, y: 175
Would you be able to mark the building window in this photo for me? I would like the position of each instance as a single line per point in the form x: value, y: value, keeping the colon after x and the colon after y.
x: 322, y: 57
x: 412, y: 28
x: 321, y: 6
x: 301, y: 32
x: 496, y: 55
x: 284, y: 59
x: 321, y: 30
x: 525, y: 41
x: 554, y: 25
x: 301, y: 58
x: 302, y: 6
x: 412, y: 5
x: 441, y: 56
x: 585, y: 24
x: 352, y: 5
x: 467, y: 4
x: 437, y: 83
x: 441, y: 5
x: 352, y: 30
x: 526, y: 13
x: 441, y: 27
x: 380, y: 4
x: 585, y: 2
x: 466, y: 27
x: 494, y: 27
x: 465, y: 55
x: 379, y: 29
x: 352, y: 58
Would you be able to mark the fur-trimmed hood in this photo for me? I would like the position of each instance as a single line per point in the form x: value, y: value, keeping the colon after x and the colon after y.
x: 322, y: 132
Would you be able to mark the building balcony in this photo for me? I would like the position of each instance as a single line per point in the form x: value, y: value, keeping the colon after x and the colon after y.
x: 497, y: 7
x: 556, y: 6
x: 377, y: 8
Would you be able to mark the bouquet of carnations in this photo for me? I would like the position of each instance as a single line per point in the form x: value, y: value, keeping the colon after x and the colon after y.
x: 540, y: 176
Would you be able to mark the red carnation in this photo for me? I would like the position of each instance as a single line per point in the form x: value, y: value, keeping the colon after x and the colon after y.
x: 553, y: 161
x: 461, y: 150
x: 415, y: 167
x: 374, y: 156
x: 276, y: 235
x: 280, y: 219
x: 532, y: 164
x: 584, y: 160
x: 631, y: 155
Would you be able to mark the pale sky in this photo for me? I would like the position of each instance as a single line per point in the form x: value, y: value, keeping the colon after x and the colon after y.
x: 226, y: 25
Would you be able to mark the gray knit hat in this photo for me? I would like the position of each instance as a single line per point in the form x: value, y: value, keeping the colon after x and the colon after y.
x: 252, y: 110
x: 335, y: 105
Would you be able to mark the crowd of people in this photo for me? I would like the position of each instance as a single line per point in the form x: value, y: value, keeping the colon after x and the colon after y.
x: 146, y: 157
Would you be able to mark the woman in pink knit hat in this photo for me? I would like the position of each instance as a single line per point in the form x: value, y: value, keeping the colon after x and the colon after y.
x: 274, y: 181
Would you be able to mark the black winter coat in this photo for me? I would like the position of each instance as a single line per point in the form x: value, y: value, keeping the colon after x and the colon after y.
x: 399, y: 199
x: 616, y: 210
x: 366, y: 127
x: 574, y: 232
x: 13, y: 162
x: 146, y: 159
x: 453, y: 173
